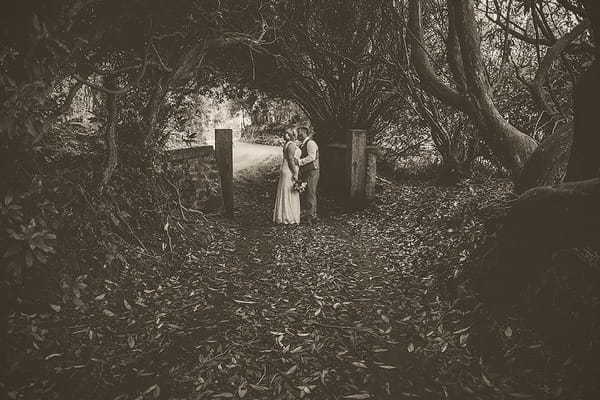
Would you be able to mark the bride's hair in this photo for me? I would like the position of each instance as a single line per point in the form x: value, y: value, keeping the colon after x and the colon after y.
x: 289, y: 136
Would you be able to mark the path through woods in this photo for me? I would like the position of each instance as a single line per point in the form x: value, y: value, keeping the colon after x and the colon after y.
x: 358, y: 306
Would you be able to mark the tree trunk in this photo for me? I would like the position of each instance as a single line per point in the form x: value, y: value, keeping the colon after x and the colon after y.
x: 185, y: 67
x: 152, y: 112
x: 584, y: 160
x: 420, y: 59
x: 547, y: 219
x: 547, y: 165
x: 511, y: 146
x: 110, y: 135
x: 473, y: 95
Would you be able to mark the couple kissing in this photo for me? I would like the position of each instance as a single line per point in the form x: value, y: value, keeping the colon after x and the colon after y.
x: 299, y: 175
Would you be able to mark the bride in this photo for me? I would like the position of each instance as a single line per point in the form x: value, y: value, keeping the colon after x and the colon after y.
x: 287, y: 204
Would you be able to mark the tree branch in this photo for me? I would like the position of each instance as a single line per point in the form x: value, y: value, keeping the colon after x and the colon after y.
x: 117, y: 91
x: 519, y: 35
x: 509, y: 144
x: 110, y: 135
x: 429, y: 79
x: 551, y: 55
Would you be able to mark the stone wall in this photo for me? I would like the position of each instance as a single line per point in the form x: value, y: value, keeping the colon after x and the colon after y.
x: 196, y: 176
x: 334, y: 174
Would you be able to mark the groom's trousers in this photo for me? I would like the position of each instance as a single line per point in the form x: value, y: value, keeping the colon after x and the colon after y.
x: 310, y: 195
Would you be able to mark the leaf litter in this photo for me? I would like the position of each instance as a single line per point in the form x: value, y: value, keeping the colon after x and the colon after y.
x: 354, y: 307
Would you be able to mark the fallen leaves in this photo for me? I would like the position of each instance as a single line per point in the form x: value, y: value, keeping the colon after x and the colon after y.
x: 327, y: 311
x: 358, y: 396
x: 51, y: 356
x: 108, y: 313
x: 359, y: 364
x: 154, y: 390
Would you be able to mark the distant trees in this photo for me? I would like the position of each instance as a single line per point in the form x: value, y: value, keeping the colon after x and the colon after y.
x: 261, y: 108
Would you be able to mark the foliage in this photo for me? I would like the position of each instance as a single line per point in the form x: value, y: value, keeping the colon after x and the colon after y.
x: 143, y: 59
x: 324, y: 60
x: 26, y: 236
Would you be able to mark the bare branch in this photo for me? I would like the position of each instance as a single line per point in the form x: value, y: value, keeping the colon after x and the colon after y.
x: 160, y: 60
x: 505, y: 48
x: 519, y: 35
x: 429, y: 79
x: 551, y: 55
x: 110, y: 135
x: 117, y: 91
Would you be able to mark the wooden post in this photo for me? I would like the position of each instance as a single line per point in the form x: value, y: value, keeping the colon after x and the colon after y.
x: 224, y: 156
x: 371, y: 172
x: 356, y: 166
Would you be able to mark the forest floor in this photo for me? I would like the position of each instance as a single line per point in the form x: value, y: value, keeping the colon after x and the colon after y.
x: 358, y: 306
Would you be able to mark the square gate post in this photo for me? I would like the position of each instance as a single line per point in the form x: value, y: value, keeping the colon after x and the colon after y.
x: 356, y: 166
x: 224, y: 156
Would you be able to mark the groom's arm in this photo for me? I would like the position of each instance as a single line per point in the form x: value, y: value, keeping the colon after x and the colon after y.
x: 311, y: 149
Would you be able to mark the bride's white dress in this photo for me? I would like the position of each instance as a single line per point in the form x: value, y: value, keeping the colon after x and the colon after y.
x: 287, y: 204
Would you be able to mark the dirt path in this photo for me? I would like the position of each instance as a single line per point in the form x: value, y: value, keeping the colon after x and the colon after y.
x: 250, y: 155
x: 350, y: 308
x: 354, y: 307
x: 358, y: 306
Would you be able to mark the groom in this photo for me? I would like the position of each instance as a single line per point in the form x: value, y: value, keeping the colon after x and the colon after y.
x: 309, y: 172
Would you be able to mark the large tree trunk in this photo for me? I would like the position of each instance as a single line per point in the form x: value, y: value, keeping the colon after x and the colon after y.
x: 547, y: 219
x: 511, y: 146
x: 473, y: 95
x: 547, y: 165
x: 584, y: 161
x: 420, y: 59
x: 544, y: 221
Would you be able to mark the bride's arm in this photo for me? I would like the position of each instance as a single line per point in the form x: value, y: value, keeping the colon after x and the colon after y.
x: 289, y: 155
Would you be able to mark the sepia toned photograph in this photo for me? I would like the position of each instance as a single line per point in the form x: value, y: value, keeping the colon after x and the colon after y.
x: 300, y: 199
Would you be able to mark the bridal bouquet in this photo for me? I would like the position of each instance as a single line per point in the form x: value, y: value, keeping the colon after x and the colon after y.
x: 299, y: 186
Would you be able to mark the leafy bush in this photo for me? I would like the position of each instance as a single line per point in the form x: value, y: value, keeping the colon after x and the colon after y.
x: 27, y: 235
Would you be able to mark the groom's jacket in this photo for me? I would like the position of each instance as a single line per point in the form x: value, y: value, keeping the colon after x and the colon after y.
x: 309, y: 159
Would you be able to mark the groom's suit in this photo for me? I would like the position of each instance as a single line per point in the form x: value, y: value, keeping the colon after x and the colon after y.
x: 309, y: 172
